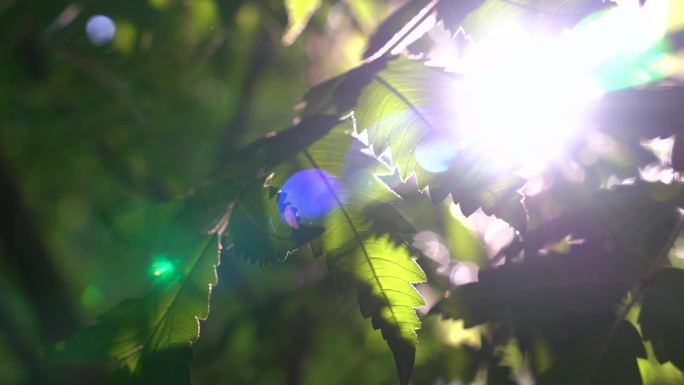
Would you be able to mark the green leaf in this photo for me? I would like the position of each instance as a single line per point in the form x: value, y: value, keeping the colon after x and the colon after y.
x: 662, y: 315
x: 474, y: 185
x: 137, y: 329
x: 298, y: 14
x: 552, y: 16
x: 397, y: 101
x: 142, y: 333
x: 361, y: 254
x: 383, y: 271
x: 258, y: 232
x: 404, y: 104
x: 166, y: 367
x: 401, y: 107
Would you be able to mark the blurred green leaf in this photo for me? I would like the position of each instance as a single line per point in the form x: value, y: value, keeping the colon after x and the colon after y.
x: 298, y: 14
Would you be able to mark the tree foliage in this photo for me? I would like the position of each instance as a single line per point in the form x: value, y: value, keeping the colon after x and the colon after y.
x: 586, y: 289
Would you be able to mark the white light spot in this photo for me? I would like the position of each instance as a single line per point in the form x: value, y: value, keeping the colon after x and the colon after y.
x: 463, y: 272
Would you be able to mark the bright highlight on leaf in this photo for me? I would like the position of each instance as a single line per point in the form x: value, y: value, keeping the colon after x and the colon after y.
x: 524, y: 97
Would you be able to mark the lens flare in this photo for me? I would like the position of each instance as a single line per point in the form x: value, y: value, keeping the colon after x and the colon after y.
x: 309, y: 195
x: 162, y: 267
x: 524, y: 97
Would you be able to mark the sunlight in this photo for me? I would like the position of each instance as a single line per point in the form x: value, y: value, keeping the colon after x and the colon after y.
x: 523, y: 97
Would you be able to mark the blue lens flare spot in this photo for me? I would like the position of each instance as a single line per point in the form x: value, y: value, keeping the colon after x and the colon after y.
x: 100, y: 30
x: 309, y: 195
x: 435, y: 153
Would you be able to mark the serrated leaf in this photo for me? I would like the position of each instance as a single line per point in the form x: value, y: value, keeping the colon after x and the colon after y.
x: 473, y: 185
x: 355, y: 240
x: 137, y: 329
x: 383, y: 273
x: 401, y: 107
x: 662, y: 315
x: 258, y: 231
x: 403, y: 103
x: 396, y: 101
x: 137, y: 333
x: 543, y: 290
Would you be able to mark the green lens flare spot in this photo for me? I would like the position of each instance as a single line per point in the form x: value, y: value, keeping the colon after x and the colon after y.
x: 162, y: 267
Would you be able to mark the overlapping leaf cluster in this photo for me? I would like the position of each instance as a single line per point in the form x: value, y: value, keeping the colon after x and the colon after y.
x: 571, y: 301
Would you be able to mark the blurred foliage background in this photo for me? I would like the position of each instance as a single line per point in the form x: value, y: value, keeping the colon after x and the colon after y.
x: 92, y: 133
x: 101, y: 122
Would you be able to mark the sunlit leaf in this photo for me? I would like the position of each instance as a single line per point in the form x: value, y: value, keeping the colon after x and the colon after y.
x: 138, y: 329
x: 546, y: 16
x: 139, y: 332
x: 298, y: 14
x: 383, y: 271
x: 397, y: 102
x: 333, y: 185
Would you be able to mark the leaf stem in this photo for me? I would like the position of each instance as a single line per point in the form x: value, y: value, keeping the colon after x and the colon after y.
x: 353, y: 228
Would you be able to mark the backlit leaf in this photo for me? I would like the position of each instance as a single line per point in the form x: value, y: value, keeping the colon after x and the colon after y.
x: 298, y: 14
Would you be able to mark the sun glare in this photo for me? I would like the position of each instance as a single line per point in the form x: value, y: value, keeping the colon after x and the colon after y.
x: 524, y: 96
